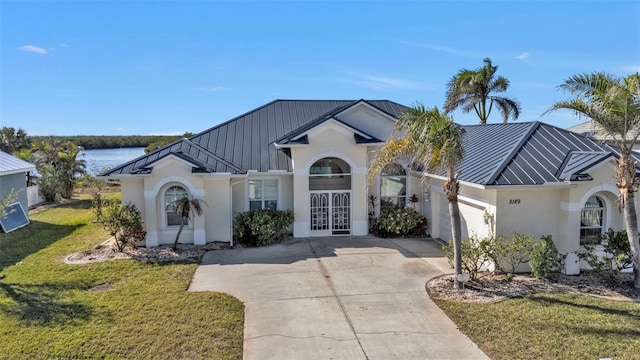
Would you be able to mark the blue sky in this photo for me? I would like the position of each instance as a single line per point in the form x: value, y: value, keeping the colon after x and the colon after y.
x: 141, y: 67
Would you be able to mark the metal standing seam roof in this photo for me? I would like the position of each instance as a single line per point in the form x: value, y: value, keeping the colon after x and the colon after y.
x: 246, y: 141
x: 10, y: 164
x: 529, y: 153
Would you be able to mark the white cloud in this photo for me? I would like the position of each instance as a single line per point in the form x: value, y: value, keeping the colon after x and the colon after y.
x: 633, y: 68
x: 377, y: 82
x: 213, y: 89
x: 33, y: 49
x: 446, y: 49
x: 523, y: 56
x: 64, y: 45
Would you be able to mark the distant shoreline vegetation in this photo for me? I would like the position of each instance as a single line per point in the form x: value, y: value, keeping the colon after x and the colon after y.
x: 95, y: 142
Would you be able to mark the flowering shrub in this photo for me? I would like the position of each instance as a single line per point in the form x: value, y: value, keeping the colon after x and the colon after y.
x: 261, y: 227
x: 124, y: 223
x: 400, y: 222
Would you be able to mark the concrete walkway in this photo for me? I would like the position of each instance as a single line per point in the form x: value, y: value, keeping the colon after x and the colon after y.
x: 338, y: 298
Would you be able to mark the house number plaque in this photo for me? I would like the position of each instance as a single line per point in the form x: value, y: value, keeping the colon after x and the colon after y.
x: 514, y: 201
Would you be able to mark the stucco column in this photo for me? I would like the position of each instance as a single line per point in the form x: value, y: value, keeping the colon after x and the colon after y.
x: 359, y: 208
x: 150, y: 219
x: 301, y: 203
x: 569, y: 244
x: 199, y: 233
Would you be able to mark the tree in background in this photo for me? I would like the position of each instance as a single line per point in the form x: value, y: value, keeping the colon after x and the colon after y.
x: 58, y: 164
x: 434, y: 142
x: 69, y: 166
x: 165, y: 140
x: 475, y: 89
x: 12, y: 140
x: 96, y: 188
x: 613, y: 104
x: 184, y: 206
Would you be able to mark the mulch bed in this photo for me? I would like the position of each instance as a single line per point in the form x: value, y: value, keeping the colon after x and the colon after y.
x: 107, y: 251
x: 495, y: 287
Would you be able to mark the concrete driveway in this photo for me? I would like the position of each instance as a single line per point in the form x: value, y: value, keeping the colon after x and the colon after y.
x: 338, y: 298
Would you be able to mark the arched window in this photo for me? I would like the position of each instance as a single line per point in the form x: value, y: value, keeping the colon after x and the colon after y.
x: 393, y: 187
x: 591, y: 221
x: 330, y: 174
x: 172, y: 194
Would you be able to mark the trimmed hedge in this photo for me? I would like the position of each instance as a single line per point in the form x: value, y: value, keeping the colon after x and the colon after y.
x: 261, y: 227
x: 400, y: 222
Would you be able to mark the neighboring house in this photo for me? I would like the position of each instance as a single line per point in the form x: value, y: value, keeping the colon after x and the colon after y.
x: 13, y: 176
x: 312, y: 157
x: 591, y: 129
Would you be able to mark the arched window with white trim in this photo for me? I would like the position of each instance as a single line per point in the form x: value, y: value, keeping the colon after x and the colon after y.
x: 592, y: 221
x: 172, y: 194
x: 393, y: 186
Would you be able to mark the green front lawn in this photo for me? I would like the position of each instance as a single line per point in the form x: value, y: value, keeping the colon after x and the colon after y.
x: 47, y: 310
x: 551, y: 326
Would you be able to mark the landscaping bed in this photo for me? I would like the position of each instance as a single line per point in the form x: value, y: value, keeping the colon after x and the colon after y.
x: 492, y: 287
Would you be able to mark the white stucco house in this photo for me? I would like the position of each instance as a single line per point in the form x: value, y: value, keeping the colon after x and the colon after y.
x: 312, y: 157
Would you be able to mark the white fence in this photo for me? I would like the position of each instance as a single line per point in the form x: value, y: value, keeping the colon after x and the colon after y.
x: 33, y: 195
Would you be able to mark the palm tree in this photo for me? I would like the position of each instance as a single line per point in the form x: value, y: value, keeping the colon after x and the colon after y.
x: 63, y: 157
x: 183, y: 207
x: 613, y: 104
x: 69, y: 166
x: 432, y: 141
x: 473, y: 89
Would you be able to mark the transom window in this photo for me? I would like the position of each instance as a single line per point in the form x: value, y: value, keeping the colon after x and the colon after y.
x: 393, y: 187
x: 591, y: 221
x: 172, y: 194
x: 330, y: 173
x: 263, y: 194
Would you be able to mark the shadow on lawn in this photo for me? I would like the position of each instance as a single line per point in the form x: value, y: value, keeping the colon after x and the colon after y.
x: 17, y: 245
x: 550, y: 300
x: 43, y: 304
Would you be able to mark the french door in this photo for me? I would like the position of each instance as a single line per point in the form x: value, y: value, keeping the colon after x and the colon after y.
x: 330, y: 213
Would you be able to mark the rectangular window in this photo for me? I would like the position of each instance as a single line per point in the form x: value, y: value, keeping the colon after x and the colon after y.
x: 263, y: 194
x: 393, y: 191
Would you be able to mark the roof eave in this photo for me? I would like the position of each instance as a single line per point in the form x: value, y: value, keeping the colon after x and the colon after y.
x: 17, y: 171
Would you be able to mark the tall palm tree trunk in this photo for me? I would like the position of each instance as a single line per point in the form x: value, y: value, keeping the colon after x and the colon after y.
x: 451, y: 187
x: 625, y: 181
x: 631, y: 221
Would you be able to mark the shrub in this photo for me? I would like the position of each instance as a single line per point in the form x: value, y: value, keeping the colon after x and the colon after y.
x: 474, y: 253
x: 400, y: 222
x: 543, y: 258
x: 617, y: 253
x: 260, y: 227
x: 124, y: 223
x: 509, y: 253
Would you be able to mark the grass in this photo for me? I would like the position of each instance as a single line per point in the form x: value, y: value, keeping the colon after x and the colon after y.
x: 551, y: 326
x: 47, y: 310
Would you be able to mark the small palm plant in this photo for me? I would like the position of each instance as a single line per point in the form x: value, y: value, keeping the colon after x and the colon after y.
x: 183, y: 207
